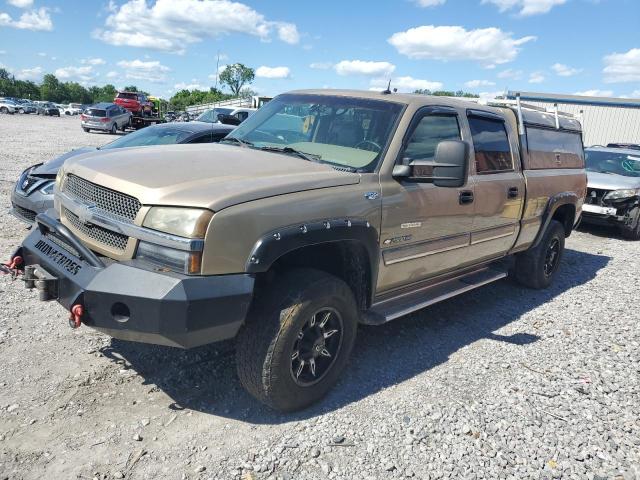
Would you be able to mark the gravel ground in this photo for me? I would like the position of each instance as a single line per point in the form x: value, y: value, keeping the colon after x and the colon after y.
x: 502, y: 382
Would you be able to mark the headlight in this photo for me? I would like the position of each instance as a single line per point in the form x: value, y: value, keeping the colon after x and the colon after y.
x: 169, y: 258
x: 184, y: 222
x: 48, y: 187
x: 620, y: 194
x: 59, y: 179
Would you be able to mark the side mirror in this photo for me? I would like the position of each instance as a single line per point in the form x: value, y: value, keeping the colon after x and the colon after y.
x: 447, y: 169
x: 228, y: 119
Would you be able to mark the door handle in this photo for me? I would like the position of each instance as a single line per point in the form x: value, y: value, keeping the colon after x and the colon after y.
x: 466, y: 196
x: 513, y: 192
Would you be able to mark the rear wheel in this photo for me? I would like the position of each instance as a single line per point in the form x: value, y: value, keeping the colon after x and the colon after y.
x: 631, y: 230
x: 297, y: 339
x: 4, y: 110
x: 113, y: 130
x: 537, y: 267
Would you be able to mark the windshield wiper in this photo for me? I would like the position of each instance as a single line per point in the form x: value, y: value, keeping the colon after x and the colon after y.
x: 292, y: 151
x: 236, y: 140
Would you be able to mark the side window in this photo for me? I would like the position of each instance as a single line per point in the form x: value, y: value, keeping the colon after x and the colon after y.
x: 203, y: 138
x: 242, y: 116
x: 491, y: 145
x: 549, y: 148
x: 431, y: 130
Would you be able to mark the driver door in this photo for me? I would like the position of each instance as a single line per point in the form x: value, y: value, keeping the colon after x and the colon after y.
x: 425, y: 229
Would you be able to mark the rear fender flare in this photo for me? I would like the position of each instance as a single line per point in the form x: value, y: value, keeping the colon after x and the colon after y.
x: 555, y: 202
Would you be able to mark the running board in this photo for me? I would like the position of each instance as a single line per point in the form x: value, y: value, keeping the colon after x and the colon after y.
x: 396, y: 307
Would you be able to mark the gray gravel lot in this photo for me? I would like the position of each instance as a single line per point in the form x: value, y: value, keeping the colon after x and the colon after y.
x: 502, y: 382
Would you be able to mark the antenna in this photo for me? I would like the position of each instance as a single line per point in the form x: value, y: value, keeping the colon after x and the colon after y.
x: 388, y: 90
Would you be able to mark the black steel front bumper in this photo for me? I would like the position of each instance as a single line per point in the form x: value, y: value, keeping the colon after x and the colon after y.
x: 131, y: 301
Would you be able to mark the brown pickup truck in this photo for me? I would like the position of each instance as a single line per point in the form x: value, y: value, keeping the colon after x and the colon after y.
x: 325, y: 209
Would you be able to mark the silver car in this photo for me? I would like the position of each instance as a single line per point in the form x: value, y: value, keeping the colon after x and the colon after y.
x: 107, y: 117
x: 613, y: 190
x: 33, y: 192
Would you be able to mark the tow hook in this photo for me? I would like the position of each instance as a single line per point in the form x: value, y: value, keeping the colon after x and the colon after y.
x: 75, y: 316
x: 12, y: 267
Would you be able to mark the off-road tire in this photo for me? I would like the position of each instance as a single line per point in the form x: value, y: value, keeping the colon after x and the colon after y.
x: 265, y: 343
x: 529, y: 269
x: 632, y: 231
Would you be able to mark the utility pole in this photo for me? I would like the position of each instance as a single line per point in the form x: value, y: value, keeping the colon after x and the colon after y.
x: 217, y: 70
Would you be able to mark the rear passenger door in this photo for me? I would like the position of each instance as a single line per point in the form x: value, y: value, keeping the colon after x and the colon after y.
x: 499, y: 185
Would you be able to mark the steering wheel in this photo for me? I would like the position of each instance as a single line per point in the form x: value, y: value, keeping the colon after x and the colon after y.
x: 369, y: 145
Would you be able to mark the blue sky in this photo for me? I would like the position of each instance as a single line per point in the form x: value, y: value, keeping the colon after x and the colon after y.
x: 483, y: 46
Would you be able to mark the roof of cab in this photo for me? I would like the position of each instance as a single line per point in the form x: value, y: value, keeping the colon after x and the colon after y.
x: 414, y: 99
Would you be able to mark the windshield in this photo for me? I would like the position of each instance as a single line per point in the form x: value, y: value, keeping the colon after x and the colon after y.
x: 344, y: 131
x: 211, y: 116
x: 150, y: 136
x: 613, y: 162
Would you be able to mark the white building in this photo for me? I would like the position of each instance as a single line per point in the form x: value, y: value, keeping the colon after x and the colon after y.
x: 604, y: 120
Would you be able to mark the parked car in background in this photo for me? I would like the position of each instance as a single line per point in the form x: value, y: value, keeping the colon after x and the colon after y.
x: 7, y: 106
x: 107, y: 117
x: 33, y: 192
x: 613, y: 193
x: 48, y: 108
x: 137, y: 103
x: 213, y: 115
x: 73, y: 109
x: 26, y: 106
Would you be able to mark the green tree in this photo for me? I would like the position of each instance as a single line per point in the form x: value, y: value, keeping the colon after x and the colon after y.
x: 51, y: 89
x: 236, y: 76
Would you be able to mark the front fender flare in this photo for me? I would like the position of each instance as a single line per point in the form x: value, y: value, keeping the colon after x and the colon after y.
x: 279, y: 242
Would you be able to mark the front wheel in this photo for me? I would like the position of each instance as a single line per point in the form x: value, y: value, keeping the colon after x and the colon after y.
x: 4, y: 110
x: 631, y: 229
x: 85, y: 129
x: 537, y: 267
x: 297, y: 339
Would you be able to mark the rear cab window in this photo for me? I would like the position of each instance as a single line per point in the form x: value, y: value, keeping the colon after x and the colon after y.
x: 490, y: 143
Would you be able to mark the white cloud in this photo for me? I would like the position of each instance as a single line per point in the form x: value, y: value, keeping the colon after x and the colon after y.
x: 93, y: 61
x: 20, y: 3
x: 635, y: 94
x: 622, y: 67
x: 479, y: 83
x: 564, y: 70
x: 3, y: 52
x: 33, y: 74
x: 273, y: 72
x: 112, y: 74
x: 151, y: 70
x: 489, y: 46
x: 595, y: 93
x: 190, y: 86
x: 32, y: 20
x: 526, y: 7
x: 405, y: 84
x: 83, y: 74
x: 361, y: 67
x: 430, y: 3
x: 536, y: 77
x: 321, y: 65
x: 511, y: 74
x: 172, y: 25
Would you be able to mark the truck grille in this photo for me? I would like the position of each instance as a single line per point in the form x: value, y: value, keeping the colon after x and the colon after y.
x: 28, y: 215
x: 595, y: 196
x: 108, y: 201
x: 101, y: 235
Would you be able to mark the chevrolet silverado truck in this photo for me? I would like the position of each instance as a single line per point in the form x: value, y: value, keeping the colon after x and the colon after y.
x: 323, y: 210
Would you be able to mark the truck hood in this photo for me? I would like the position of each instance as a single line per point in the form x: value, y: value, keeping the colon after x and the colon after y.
x: 611, y: 181
x: 212, y: 176
x: 51, y: 167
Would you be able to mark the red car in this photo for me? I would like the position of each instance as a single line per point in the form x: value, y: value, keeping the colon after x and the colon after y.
x: 136, y: 103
